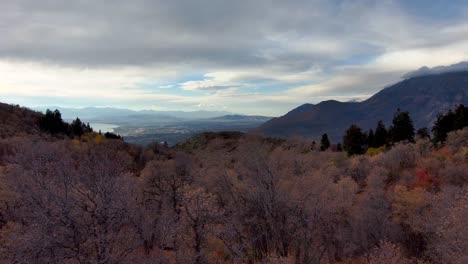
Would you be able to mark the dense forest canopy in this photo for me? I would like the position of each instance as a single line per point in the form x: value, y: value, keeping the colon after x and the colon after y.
x: 72, y: 195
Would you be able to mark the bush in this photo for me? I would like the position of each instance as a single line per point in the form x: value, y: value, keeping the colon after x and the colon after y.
x: 375, y: 151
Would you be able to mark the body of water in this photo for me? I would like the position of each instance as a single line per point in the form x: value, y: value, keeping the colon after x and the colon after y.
x: 103, y: 127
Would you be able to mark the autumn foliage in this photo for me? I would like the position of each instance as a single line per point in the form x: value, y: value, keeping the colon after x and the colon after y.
x: 230, y: 198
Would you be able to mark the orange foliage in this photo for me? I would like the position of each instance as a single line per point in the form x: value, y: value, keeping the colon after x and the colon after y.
x: 423, y: 179
x: 442, y: 153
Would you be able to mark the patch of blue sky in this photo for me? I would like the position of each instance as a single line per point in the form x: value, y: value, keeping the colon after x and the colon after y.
x: 171, y: 88
x: 436, y: 9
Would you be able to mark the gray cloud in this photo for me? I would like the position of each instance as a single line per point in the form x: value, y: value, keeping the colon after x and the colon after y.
x: 206, y: 33
x: 423, y: 71
x: 305, y: 50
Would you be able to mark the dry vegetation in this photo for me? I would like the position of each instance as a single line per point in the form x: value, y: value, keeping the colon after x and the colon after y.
x: 231, y: 198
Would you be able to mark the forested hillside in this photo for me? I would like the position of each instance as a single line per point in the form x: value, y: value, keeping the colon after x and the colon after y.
x: 76, y: 196
x: 423, y: 96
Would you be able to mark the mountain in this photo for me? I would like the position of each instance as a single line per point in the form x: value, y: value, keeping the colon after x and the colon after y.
x: 126, y: 116
x: 423, y: 71
x: 424, y: 96
x: 18, y: 121
x: 241, y: 118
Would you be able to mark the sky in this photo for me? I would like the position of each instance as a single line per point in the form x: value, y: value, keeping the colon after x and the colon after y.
x: 262, y: 57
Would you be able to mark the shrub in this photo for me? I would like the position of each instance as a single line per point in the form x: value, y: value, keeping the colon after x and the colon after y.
x: 375, y: 151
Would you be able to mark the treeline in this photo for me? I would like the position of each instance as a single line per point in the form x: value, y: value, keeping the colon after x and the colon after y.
x: 356, y: 141
x: 53, y: 123
x: 233, y: 198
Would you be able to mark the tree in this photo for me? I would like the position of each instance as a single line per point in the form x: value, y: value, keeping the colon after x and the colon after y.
x: 111, y: 135
x: 52, y: 122
x: 448, y: 122
x: 423, y: 133
x: 461, y: 117
x: 200, y: 214
x: 387, y: 253
x: 402, y: 128
x: 73, y: 205
x: 442, y: 126
x: 449, y: 243
x: 381, y: 135
x: 339, y: 147
x: 77, y: 127
x: 370, y: 139
x: 354, y: 140
x: 324, y: 143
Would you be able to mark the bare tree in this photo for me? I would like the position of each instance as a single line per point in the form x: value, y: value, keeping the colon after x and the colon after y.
x: 72, y: 205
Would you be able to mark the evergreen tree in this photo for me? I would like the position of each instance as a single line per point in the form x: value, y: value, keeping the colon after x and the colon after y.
x: 354, y: 140
x: 423, y: 133
x: 77, y: 127
x: 370, y: 139
x: 443, y: 125
x: 380, y: 136
x: 450, y: 121
x: 52, y: 122
x: 325, y: 142
x: 339, y: 147
x: 461, y: 117
x: 111, y: 135
x: 402, y: 128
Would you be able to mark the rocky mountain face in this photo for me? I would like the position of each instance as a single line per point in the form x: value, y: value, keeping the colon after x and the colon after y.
x: 423, y: 96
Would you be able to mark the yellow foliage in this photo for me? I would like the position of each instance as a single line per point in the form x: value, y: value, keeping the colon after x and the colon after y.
x: 375, y: 151
x: 76, y: 141
x: 408, y: 204
x: 93, y: 137
x: 98, y: 139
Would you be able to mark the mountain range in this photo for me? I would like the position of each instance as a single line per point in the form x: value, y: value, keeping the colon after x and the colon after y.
x: 424, y: 93
x: 124, y: 116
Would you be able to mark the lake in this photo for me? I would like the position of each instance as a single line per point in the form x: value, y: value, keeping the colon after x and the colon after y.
x: 103, y: 127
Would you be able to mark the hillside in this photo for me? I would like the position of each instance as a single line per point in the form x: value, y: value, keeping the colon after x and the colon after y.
x: 423, y: 96
x: 66, y: 199
x: 16, y: 121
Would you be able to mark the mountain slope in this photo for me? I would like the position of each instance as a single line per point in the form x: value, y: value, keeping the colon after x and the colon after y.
x: 17, y: 121
x: 424, y: 97
x: 241, y: 118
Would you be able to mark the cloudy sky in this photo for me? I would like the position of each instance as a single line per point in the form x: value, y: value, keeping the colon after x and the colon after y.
x: 251, y: 57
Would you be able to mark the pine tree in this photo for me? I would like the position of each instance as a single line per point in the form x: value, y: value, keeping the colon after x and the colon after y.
x: 325, y: 142
x: 423, y: 133
x: 370, y: 139
x: 450, y: 121
x: 461, y: 117
x: 52, y: 122
x: 380, y: 136
x: 77, y: 127
x: 402, y: 128
x: 354, y: 140
x: 339, y: 148
x: 442, y: 126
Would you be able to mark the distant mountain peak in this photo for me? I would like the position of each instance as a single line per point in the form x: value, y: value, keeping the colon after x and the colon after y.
x: 424, y: 71
x: 424, y: 97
